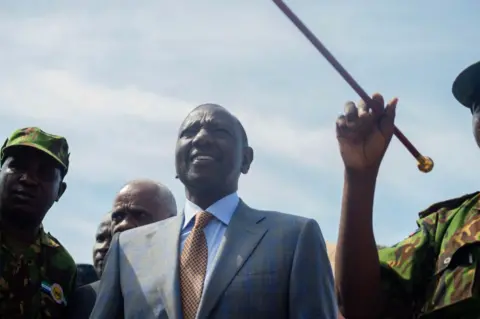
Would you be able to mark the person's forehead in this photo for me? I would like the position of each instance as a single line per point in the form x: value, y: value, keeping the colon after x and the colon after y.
x: 32, y: 155
x: 137, y: 192
x: 476, y: 100
x: 137, y: 201
x: 124, y: 195
x: 211, y: 115
x: 104, y: 227
x: 105, y: 222
x: 131, y: 193
x: 475, y: 108
x: 144, y: 200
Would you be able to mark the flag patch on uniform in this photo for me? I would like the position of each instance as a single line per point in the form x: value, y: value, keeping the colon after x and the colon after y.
x: 55, y: 291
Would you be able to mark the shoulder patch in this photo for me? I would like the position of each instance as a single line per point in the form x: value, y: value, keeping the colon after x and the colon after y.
x: 448, y: 204
x: 51, y: 241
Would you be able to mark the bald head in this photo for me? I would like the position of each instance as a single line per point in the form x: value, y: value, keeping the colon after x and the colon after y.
x: 141, y: 202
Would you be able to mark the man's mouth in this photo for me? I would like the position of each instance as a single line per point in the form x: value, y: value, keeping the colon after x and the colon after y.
x: 203, y: 158
x: 23, y: 195
x: 200, y: 158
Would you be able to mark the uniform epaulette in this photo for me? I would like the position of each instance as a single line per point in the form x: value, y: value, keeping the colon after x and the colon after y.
x: 448, y: 204
x: 52, y: 240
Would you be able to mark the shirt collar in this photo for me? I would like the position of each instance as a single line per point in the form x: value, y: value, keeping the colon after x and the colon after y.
x: 222, y: 209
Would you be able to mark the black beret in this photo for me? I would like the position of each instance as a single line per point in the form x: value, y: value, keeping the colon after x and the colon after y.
x: 466, y: 87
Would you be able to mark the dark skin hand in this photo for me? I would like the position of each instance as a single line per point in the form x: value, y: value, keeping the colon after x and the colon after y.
x: 30, y: 182
x: 140, y: 203
x: 212, y: 151
x: 103, y: 237
x: 363, y: 134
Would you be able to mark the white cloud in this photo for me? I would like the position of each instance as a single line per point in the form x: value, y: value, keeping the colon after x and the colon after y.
x: 117, y: 80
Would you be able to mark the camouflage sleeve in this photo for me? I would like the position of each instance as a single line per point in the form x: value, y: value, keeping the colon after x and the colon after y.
x: 70, y: 269
x: 405, y: 267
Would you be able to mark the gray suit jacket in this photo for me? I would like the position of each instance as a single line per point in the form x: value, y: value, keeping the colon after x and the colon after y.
x: 270, y: 265
x: 82, y: 301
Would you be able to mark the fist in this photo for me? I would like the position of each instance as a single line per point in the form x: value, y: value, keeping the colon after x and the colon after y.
x: 364, y: 132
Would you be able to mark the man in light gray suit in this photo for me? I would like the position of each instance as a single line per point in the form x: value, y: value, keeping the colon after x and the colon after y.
x: 220, y: 258
x: 140, y: 202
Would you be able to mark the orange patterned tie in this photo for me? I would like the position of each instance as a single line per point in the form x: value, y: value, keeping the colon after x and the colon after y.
x: 193, y: 266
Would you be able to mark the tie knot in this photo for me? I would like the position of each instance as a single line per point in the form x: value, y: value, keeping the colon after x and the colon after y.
x: 202, y: 219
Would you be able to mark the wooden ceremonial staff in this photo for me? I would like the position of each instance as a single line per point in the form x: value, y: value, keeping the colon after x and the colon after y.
x: 424, y: 163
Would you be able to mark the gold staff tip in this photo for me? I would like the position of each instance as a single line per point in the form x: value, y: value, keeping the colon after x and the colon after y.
x: 425, y: 164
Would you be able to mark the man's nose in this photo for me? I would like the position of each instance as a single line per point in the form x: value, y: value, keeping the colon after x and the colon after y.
x: 29, y: 178
x: 123, y: 226
x: 202, y: 137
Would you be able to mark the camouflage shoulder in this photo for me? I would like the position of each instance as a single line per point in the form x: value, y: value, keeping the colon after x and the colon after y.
x: 447, y: 205
x: 51, y: 241
x: 62, y: 256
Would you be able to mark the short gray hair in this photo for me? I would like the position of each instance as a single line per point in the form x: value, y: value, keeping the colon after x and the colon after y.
x: 164, y: 194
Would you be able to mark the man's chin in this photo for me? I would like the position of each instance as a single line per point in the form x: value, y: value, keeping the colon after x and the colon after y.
x: 22, y: 216
x: 200, y: 181
x: 26, y: 210
x: 99, y: 268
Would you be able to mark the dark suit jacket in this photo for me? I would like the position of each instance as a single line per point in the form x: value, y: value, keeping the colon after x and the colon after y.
x: 86, y: 274
x: 82, y: 301
x: 270, y: 265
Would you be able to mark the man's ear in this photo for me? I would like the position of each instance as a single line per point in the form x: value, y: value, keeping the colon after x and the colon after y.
x: 61, y: 190
x: 247, y: 159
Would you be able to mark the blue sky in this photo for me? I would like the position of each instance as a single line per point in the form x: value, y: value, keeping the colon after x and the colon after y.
x: 117, y: 78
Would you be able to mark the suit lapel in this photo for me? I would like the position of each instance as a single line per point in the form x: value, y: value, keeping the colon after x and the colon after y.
x: 163, y: 251
x: 241, y: 238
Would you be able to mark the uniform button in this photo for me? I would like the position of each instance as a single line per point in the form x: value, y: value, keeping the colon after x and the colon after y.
x: 447, y: 260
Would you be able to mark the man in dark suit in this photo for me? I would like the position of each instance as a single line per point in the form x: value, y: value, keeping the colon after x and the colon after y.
x: 84, y: 296
x: 139, y: 203
x: 220, y: 258
x: 86, y: 275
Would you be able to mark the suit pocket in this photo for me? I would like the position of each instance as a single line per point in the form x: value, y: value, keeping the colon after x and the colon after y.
x: 263, y: 268
x: 260, y: 272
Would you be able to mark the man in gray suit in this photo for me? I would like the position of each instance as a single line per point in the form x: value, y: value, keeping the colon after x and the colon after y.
x: 220, y: 258
x: 138, y: 203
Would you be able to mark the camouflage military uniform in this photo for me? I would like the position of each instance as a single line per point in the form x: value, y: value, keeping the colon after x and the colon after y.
x: 433, y: 273
x: 36, y: 283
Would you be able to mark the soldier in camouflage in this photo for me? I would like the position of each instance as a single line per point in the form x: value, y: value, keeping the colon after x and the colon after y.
x: 433, y: 273
x: 37, y: 274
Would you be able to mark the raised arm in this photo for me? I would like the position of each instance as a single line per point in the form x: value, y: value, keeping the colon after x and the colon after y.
x: 364, y: 133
